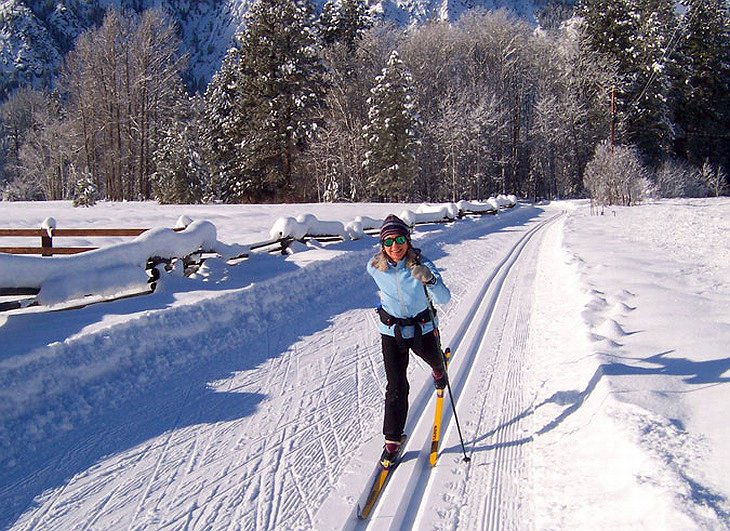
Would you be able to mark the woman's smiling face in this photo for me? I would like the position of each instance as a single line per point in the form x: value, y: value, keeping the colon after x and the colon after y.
x: 396, y: 251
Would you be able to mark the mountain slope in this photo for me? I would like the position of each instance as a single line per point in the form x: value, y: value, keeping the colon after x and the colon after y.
x: 35, y: 34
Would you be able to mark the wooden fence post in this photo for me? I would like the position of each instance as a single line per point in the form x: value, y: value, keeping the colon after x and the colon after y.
x: 47, y: 243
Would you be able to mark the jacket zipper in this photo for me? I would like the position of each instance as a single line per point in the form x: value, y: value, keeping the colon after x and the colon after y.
x: 400, y: 294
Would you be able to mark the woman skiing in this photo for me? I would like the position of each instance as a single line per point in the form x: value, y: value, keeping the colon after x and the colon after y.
x: 406, y: 314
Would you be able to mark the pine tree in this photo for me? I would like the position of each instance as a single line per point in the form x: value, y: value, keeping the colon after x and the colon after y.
x: 225, y: 126
x: 392, y: 133
x: 635, y: 35
x: 180, y: 158
x: 705, y: 112
x: 650, y: 116
x: 344, y: 22
x: 265, y: 103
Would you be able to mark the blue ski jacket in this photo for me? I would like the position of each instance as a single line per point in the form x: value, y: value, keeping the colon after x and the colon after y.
x: 402, y: 296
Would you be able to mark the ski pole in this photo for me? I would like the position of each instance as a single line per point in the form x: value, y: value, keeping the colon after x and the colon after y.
x: 466, y: 459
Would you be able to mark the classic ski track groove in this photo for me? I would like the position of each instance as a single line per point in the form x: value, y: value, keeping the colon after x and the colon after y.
x: 159, y: 462
x: 411, y: 492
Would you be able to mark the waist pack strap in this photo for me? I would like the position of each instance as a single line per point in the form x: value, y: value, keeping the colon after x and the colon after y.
x: 419, y: 319
x: 417, y: 322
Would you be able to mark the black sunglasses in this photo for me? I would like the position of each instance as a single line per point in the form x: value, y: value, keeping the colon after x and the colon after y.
x: 400, y: 240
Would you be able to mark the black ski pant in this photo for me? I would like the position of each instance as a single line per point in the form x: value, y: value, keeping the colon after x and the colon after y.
x: 395, y: 356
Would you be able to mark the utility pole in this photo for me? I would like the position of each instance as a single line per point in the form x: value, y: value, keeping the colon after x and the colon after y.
x: 613, y: 116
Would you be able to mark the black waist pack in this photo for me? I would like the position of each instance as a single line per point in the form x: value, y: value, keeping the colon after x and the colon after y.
x: 416, y: 321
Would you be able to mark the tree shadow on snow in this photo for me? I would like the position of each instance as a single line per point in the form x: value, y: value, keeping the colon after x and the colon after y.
x: 173, y: 397
x: 706, y: 373
x: 694, y: 372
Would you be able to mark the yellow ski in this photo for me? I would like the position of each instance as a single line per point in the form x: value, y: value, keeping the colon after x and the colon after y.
x: 436, y: 433
x: 381, y: 478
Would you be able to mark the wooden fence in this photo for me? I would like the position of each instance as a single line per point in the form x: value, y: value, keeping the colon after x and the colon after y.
x: 24, y: 296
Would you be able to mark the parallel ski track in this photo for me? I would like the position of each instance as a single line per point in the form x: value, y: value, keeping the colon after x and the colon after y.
x: 404, y: 497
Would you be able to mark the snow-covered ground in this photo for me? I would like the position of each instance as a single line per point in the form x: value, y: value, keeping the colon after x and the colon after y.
x: 590, y: 377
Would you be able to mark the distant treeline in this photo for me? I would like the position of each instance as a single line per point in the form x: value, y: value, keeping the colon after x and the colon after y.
x: 329, y: 106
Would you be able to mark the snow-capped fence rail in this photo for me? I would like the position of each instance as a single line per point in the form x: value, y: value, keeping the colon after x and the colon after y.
x: 122, y: 268
x: 47, y: 235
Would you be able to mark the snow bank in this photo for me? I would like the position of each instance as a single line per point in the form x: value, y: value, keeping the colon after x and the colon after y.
x: 104, y: 281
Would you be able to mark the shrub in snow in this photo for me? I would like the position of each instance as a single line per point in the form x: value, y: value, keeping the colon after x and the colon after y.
x: 616, y: 176
x: 677, y: 178
x: 715, y: 179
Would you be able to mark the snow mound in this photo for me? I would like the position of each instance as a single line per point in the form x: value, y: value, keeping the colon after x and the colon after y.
x: 476, y: 206
x: 305, y: 225
x: 612, y: 329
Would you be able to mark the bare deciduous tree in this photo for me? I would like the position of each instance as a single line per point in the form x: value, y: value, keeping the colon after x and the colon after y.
x: 123, y: 81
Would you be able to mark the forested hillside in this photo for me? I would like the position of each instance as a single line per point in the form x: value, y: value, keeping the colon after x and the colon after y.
x: 354, y: 100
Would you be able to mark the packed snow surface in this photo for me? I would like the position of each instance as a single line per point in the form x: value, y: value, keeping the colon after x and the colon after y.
x: 590, y: 375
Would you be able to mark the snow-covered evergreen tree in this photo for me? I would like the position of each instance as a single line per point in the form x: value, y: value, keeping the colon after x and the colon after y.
x: 85, y: 193
x: 344, y: 22
x: 225, y: 126
x: 273, y: 92
x: 705, y: 110
x: 635, y: 35
x: 180, y: 159
x: 392, y: 133
x: 178, y: 176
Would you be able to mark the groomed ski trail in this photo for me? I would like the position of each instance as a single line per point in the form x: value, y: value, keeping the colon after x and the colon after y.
x: 491, y: 344
x: 278, y: 425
